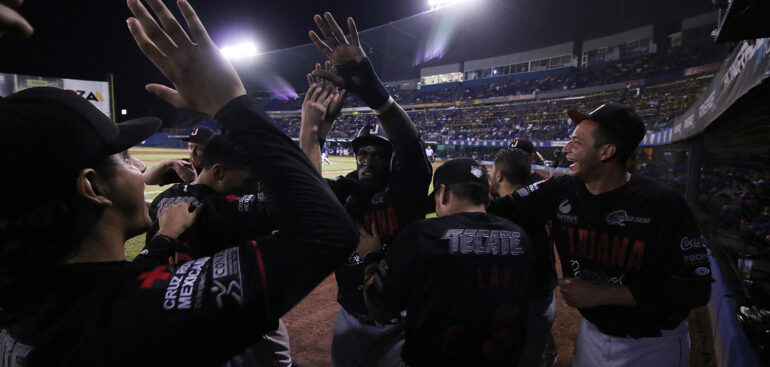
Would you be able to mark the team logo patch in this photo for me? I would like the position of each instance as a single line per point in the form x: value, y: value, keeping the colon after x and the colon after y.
x: 702, y: 271
x: 620, y: 217
x: 186, y: 286
x: 226, y: 274
x: 689, y: 243
x: 563, y: 215
x: 158, y: 276
x: 477, y: 171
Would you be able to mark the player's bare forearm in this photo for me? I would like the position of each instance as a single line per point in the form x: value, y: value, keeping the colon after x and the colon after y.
x: 154, y: 174
x: 308, y: 142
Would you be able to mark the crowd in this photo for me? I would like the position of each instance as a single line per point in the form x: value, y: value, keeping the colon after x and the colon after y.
x: 672, y: 59
x: 537, y: 121
x: 250, y: 227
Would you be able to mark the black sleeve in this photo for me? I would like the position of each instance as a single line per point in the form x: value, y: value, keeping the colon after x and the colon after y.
x: 203, y: 311
x: 411, y: 176
x: 310, y: 219
x: 683, y: 279
x: 342, y: 187
x: 157, y: 252
x: 243, y: 213
x: 528, y: 204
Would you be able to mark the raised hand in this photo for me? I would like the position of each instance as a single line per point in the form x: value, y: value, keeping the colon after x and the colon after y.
x: 203, y: 79
x: 337, y: 48
x: 317, y: 100
x: 12, y: 24
x: 335, y: 107
x: 351, y: 69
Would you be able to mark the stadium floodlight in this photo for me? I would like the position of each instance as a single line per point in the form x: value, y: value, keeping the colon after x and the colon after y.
x: 437, y: 4
x: 240, y: 51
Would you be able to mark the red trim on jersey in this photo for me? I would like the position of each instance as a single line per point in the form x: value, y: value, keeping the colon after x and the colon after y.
x: 262, y: 275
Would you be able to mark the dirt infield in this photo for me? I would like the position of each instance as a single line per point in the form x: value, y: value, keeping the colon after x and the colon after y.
x: 310, y: 327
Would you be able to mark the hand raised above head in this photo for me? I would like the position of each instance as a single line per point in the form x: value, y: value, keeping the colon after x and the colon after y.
x: 203, y: 79
x: 12, y: 24
x: 337, y: 48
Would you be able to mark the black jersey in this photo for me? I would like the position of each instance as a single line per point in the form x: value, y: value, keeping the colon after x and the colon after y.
x: 534, y: 177
x: 200, y: 312
x: 399, y: 204
x: 224, y: 221
x: 641, y: 235
x: 465, y: 280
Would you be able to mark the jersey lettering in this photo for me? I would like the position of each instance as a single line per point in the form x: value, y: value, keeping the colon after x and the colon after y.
x: 596, y: 246
x: 483, y: 242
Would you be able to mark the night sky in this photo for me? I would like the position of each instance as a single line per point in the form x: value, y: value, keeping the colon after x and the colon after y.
x: 86, y: 39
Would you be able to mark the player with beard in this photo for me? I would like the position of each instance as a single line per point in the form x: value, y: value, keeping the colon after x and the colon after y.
x: 392, y: 174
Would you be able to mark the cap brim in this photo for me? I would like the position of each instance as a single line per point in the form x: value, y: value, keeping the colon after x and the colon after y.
x: 193, y: 140
x: 132, y: 132
x: 577, y: 117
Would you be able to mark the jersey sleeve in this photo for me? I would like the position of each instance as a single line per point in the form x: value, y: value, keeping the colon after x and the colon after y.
x: 394, y: 278
x: 157, y: 252
x: 248, y: 213
x: 204, y: 310
x: 683, y: 279
x: 411, y: 176
x: 528, y: 204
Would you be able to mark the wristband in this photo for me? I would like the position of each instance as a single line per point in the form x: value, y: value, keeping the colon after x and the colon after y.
x: 385, y: 107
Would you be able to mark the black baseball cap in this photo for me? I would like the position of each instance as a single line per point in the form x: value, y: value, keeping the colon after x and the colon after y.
x: 199, y: 135
x: 524, y: 145
x: 619, y: 120
x: 371, y: 134
x: 461, y: 170
x: 51, y: 134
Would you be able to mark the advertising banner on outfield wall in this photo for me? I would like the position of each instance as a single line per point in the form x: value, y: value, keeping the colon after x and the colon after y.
x: 744, y: 69
x: 96, y: 92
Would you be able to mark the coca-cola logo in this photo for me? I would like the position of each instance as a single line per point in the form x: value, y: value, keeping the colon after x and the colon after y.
x: 689, y: 243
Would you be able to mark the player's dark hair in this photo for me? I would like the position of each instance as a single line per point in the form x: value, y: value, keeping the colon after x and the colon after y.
x: 218, y: 150
x: 622, y: 150
x: 474, y: 192
x: 38, y: 240
x: 514, y: 164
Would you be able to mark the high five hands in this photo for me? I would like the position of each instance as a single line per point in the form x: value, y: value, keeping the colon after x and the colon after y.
x: 351, y: 70
x: 204, y: 81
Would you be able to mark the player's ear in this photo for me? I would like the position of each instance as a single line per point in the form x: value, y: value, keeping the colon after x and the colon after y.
x: 609, y: 150
x: 218, y: 171
x: 498, y: 176
x: 443, y: 194
x: 91, y: 187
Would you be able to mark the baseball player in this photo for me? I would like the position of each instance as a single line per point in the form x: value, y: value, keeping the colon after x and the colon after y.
x: 82, y: 304
x: 232, y: 212
x: 181, y: 170
x: 392, y: 174
x: 534, y: 157
x: 511, y: 172
x: 465, y: 278
x: 633, y: 258
x: 429, y: 153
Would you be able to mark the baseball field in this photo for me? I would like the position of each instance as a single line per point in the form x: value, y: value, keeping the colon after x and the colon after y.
x: 310, y: 323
